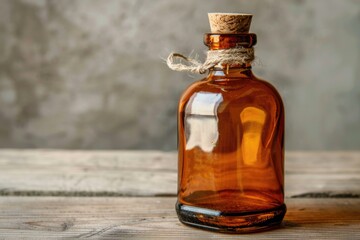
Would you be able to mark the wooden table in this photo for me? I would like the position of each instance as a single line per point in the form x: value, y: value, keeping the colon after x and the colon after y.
x: 131, y: 195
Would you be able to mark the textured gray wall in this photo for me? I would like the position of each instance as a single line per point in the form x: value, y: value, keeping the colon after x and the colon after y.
x: 90, y: 74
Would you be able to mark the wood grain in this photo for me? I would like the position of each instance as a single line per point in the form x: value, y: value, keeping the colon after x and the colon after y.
x: 330, y: 176
x: 155, y: 218
x: 135, y: 173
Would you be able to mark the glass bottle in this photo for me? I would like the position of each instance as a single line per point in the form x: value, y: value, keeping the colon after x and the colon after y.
x: 231, y: 147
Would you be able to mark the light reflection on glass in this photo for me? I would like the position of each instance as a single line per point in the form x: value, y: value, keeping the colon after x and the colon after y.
x: 201, y: 121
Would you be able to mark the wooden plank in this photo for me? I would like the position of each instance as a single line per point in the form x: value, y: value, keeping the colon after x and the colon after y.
x: 135, y: 173
x: 155, y: 218
x: 316, y: 173
x: 88, y: 172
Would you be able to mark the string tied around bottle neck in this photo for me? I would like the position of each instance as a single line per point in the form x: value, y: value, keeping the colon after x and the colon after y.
x: 232, y: 56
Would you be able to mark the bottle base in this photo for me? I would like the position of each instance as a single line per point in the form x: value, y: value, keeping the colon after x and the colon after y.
x: 218, y: 221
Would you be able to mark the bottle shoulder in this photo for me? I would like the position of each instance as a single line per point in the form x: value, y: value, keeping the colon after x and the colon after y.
x: 249, y: 91
x: 271, y: 90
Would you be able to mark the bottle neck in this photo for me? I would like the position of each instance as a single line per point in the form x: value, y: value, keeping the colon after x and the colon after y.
x: 231, y: 71
x: 230, y: 41
x: 217, y: 41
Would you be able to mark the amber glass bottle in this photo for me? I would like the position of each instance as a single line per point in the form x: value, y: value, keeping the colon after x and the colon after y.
x: 231, y: 147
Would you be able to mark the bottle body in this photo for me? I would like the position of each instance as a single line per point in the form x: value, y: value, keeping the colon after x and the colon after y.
x: 231, y: 153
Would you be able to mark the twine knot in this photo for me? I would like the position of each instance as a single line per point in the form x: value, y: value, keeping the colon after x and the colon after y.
x: 232, y: 56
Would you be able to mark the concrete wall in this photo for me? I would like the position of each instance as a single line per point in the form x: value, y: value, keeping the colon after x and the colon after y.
x: 90, y: 74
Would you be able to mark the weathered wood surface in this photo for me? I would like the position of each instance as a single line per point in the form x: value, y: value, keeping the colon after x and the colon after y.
x: 322, y: 189
x: 135, y: 173
x: 155, y: 218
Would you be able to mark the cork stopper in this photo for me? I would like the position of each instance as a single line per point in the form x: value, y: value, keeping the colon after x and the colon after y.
x: 229, y: 22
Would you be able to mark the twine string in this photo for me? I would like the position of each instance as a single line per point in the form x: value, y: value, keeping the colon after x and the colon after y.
x: 232, y: 56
